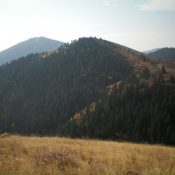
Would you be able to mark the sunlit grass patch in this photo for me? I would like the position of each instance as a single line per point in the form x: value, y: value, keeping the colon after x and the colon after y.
x: 56, y: 156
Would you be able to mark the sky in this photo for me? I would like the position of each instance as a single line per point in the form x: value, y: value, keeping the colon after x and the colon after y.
x: 138, y: 24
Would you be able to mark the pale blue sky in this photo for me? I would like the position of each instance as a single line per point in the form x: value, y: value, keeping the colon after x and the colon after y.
x: 139, y: 24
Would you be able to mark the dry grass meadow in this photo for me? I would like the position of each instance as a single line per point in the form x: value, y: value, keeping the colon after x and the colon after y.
x: 57, y: 156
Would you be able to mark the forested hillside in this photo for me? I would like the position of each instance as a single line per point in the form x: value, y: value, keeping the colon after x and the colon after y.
x: 91, y: 88
x: 134, y: 112
x: 39, y: 92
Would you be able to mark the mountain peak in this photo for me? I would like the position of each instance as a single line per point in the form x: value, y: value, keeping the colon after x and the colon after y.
x: 32, y: 45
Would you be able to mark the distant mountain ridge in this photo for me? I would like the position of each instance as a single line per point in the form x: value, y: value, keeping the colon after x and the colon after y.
x: 163, y: 54
x: 150, y: 51
x: 32, y: 45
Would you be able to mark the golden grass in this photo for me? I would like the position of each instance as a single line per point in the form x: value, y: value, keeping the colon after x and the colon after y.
x: 57, y: 156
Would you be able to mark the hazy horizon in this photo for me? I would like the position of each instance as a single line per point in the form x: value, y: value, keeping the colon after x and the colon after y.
x: 140, y: 24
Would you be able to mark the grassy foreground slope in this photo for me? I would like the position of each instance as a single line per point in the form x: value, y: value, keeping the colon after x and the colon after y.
x: 56, y: 156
